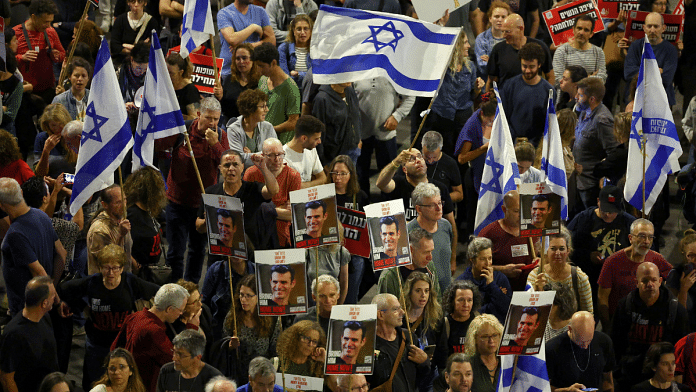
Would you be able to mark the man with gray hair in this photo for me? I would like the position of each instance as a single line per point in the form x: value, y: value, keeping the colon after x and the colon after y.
x: 261, y: 377
x: 351, y: 383
x: 442, y: 167
x: 207, y: 142
x: 325, y: 293
x: 426, y: 199
x: 144, y: 333
x: 31, y: 246
x: 220, y: 384
x: 72, y: 134
x: 422, y: 246
x: 187, y: 371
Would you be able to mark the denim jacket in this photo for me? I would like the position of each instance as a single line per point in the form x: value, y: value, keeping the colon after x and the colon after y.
x: 68, y: 100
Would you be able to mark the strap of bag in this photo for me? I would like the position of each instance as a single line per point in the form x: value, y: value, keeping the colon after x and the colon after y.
x: 397, y: 362
x: 574, y: 278
x: 49, y: 48
x: 143, y: 27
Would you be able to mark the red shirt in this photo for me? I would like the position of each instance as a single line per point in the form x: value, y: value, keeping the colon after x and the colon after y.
x: 686, y: 365
x: 182, y: 184
x: 39, y: 72
x: 288, y: 180
x: 508, y: 249
x: 19, y: 170
x: 619, y: 274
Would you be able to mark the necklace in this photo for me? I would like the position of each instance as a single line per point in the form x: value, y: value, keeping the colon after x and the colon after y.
x: 192, y: 382
x: 572, y: 348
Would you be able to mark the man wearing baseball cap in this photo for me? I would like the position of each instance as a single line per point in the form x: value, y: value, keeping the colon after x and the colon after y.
x: 598, y: 232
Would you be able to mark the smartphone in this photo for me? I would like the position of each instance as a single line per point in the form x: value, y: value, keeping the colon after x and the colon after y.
x: 430, y: 350
x: 589, y: 389
x: 68, y: 178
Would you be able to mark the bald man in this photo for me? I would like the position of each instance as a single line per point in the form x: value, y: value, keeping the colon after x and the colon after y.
x: 648, y: 314
x: 575, y: 348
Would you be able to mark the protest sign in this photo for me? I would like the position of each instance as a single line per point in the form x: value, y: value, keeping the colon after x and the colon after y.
x: 281, y: 281
x: 611, y: 8
x: 314, y: 216
x: 560, y: 20
x: 673, y: 26
x: 540, y: 210
x: 525, y: 322
x: 388, y: 234
x: 354, y: 231
x: 225, y: 225
x: 351, y: 339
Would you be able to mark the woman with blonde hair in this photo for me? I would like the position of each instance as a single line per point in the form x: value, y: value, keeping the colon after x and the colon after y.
x: 422, y: 306
x: 481, y: 344
x: 301, y: 349
x: 121, y: 374
x: 50, y: 149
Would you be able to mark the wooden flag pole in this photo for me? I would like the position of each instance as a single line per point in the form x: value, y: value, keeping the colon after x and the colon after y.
x: 72, y: 49
x: 401, y: 290
x: 316, y: 285
x: 531, y: 245
x: 644, y: 156
x: 234, y: 311
x: 420, y: 127
x: 195, y: 165
x: 215, y: 68
x: 120, y: 183
x: 280, y: 358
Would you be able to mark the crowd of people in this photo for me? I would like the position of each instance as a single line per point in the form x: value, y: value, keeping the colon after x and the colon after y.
x: 129, y: 269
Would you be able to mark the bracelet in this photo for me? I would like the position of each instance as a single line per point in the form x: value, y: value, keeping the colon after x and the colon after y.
x: 396, y: 166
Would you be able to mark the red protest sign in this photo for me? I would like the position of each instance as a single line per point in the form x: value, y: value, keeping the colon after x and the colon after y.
x: 203, y: 75
x: 560, y: 20
x: 354, y: 231
x: 611, y: 8
x: 634, y: 26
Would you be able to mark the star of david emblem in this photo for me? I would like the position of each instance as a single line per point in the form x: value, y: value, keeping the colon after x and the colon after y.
x: 493, y: 185
x: 634, y: 132
x: 98, y: 120
x: 150, y: 111
x: 389, y: 28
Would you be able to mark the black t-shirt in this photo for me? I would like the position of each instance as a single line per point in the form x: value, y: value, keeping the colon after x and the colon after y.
x: 28, y: 350
x: 405, y: 272
x: 346, y: 201
x: 645, y: 386
x: 391, y: 350
x: 170, y: 380
x: 230, y: 93
x: 457, y: 335
x: 147, y: 237
x: 403, y: 189
x: 505, y: 63
x: 186, y: 96
x: 108, y: 309
x: 446, y: 171
x: 565, y: 361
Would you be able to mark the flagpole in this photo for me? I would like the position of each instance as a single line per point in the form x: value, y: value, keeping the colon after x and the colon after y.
x: 120, y: 182
x: 193, y: 159
x: 420, y: 127
x: 72, y: 49
x: 642, y: 140
x: 401, y: 291
x: 234, y: 312
x: 215, y: 68
x: 316, y: 285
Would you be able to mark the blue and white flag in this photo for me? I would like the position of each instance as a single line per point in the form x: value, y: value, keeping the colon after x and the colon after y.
x: 350, y: 44
x: 531, y: 374
x: 552, y: 162
x: 159, y: 115
x: 500, y: 174
x: 652, y: 124
x: 197, y: 25
x: 106, y: 135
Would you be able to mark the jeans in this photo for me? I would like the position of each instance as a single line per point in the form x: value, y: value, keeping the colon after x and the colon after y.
x: 385, y: 153
x: 357, y: 266
x: 354, y: 154
x: 181, y: 227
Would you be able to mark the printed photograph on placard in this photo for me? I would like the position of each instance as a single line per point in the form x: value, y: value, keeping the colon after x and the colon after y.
x: 636, y: 19
x: 296, y: 383
x: 351, y: 339
x: 281, y: 277
x: 560, y: 21
x: 386, y: 223
x: 225, y: 225
x: 525, y: 322
x: 540, y: 210
x: 314, y: 216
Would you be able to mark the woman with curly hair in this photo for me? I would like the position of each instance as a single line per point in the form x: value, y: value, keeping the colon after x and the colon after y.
x: 247, y: 134
x: 50, y: 150
x: 245, y: 75
x: 121, y: 374
x: 481, y: 344
x: 145, y: 195
x: 11, y: 163
x: 294, y: 52
x: 255, y: 335
x: 423, y: 308
x: 459, y: 303
x: 301, y: 349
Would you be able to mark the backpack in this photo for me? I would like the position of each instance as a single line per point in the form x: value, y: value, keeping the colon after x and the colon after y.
x: 687, y: 190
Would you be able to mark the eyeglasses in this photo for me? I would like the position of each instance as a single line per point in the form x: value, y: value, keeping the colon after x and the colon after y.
x: 363, y: 387
x: 111, y: 269
x: 120, y: 368
x: 434, y: 205
x: 413, y: 158
x: 340, y: 174
x: 247, y: 296
x: 308, y: 340
x: 644, y: 237
x: 489, y: 337
x: 275, y: 156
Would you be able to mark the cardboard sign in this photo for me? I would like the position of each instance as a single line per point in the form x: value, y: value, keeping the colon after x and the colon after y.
x: 281, y: 277
x: 388, y: 234
x: 225, y: 226
x: 432, y: 10
x: 560, y: 20
x: 294, y: 382
x: 636, y: 19
x: 611, y: 8
x: 354, y: 231
x: 525, y: 322
x: 351, y: 339
x: 540, y: 210
x: 314, y: 216
x: 203, y: 75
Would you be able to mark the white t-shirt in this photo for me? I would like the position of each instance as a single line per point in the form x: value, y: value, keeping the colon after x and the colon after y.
x: 306, y: 163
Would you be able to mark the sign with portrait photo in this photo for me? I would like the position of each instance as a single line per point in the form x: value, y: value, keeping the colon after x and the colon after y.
x: 525, y: 322
x: 314, y: 216
x: 674, y: 25
x: 386, y: 223
x: 560, y: 20
x: 281, y: 277
x: 540, y: 210
x: 351, y: 339
x: 296, y: 383
x: 225, y: 225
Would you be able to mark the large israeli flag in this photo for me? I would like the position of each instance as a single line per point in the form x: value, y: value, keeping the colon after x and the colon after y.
x: 552, y: 163
x: 530, y: 376
x: 350, y: 44
x: 500, y: 174
x: 159, y: 115
x: 652, y: 124
x: 106, y: 136
x: 197, y: 25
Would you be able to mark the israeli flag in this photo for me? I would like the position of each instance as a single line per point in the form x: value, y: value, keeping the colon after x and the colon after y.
x: 106, y: 136
x: 652, y: 125
x: 530, y: 375
x: 552, y: 163
x: 197, y: 25
x: 500, y: 174
x: 159, y: 115
x: 350, y: 44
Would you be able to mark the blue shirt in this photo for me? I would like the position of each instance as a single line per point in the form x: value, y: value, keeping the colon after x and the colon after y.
x: 495, y: 296
x: 484, y: 46
x: 667, y: 57
x: 473, y: 133
x: 525, y: 107
x: 231, y: 17
x: 455, y: 92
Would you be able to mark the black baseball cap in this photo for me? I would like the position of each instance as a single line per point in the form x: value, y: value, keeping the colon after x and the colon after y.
x: 611, y: 199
